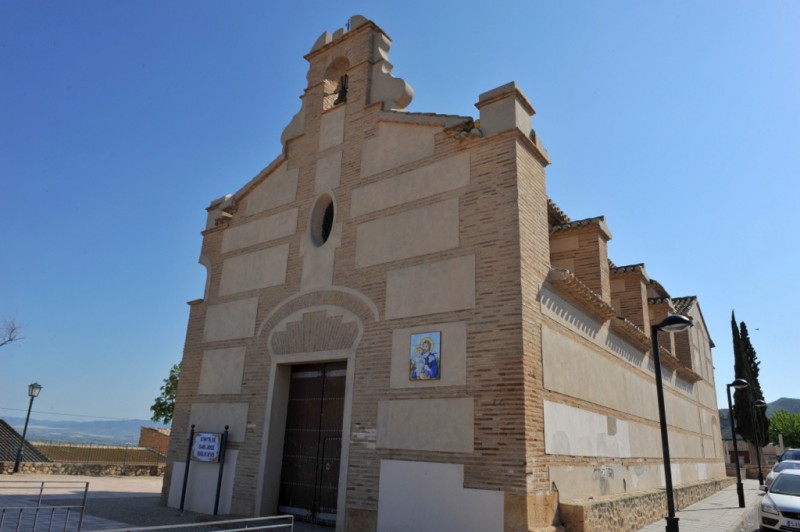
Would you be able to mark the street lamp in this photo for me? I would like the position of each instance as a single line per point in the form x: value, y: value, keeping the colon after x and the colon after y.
x: 672, y: 323
x: 739, y: 384
x: 757, y: 407
x: 33, y: 392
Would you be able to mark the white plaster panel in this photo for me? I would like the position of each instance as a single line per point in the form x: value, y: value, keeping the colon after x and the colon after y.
x: 568, y: 243
x: 199, y: 497
x: 706, y: 394
x: 263, y: 230
x: 430, y: 497
x: 577, y: 370
x: 576, y: 432
x: 646, y: 441
x: 212, y: 417
x: 680, y: 412
x: 227, y: 321
x: 329, y: 172
x: 435, y: 178
x: 279, y: 188
x: 221, y: 371
x: 445, y: 425
x: 408, y: 234
x: 395, y: 145
x: 259, y: 269
x: 566, y: 313
x: 582, y: 482
x: 579, y: 482
x: 440, y: 286
x: 453, y: 367
x: 331, y: 128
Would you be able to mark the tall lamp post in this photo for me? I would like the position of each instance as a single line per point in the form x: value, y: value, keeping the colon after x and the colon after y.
x: 33, y: 392
x: 758, y: 406
x: 739, y: 384
x: 672, y: 323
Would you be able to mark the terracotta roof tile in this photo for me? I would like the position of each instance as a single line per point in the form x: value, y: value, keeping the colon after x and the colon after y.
x: 576, y: 224
x: 684, y: 304
x: 626, y: 269
x: 555, y: 216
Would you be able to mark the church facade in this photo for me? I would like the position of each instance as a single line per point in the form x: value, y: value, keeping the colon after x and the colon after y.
x: 401, y: 331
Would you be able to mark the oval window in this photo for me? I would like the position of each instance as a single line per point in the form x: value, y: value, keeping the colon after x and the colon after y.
x: 322, y: 220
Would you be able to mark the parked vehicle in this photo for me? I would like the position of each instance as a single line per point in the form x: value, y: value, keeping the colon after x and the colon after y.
x: 789, y: 454
x: 780, y: 507
x: 781, y: 466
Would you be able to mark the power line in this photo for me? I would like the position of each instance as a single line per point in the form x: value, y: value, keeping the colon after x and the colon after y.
x: 63, y: 414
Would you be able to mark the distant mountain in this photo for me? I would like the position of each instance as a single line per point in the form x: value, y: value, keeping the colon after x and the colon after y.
x: 790, y: 405
x: 122, y: 432
x: 784, y: 403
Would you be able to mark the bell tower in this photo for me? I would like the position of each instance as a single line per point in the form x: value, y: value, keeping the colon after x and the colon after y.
x: 350, y: 66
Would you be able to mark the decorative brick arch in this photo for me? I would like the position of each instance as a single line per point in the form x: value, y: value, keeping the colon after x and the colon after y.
x: 350, y: 300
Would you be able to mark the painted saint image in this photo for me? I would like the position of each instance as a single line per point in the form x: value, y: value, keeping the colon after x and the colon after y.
x: 425, y: 356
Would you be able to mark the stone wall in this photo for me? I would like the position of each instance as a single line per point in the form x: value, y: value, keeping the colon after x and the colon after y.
x: 632, y: 511
x: 89, y: 470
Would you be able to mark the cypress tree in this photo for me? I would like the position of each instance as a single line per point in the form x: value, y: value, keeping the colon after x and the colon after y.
x: 760, y: 421
x: 750, y: 425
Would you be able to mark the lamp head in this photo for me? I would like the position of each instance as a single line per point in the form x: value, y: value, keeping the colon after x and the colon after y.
x: 739, y: 384
x: 760, y: 404
x: 34, y: 389
x: 674, y: 323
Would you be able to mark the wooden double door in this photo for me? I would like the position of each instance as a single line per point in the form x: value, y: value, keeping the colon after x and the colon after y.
x: 312, y: 445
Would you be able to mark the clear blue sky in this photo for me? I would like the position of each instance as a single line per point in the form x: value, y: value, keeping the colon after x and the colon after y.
x: 120, y: 122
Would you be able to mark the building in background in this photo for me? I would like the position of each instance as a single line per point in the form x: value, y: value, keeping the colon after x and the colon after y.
x: 402, y: 332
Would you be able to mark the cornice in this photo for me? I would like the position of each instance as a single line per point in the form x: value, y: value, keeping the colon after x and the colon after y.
x: 567, y: 283
x: 631, y: 333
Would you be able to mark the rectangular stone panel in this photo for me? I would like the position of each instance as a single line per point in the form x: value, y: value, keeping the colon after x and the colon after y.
x: 221, y: 371
x: 574, y: 369
x: 279, y: 188
x: 408, y: 234
x: 260, y: 231
x: 328, y: 173
x: 435, y: 178
x: 259, y: 269
x: 331, y: 128
x: 445, y: 425
x: 395, y: 145
x: 212, y: 417
x: 576, y: 432
x: 228, y: 321
x: 430, y: 496
x: 441, y: 286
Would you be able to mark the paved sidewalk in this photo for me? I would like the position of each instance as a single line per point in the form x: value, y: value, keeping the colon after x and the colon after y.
x: 719, y: 513
x: 112, y: 503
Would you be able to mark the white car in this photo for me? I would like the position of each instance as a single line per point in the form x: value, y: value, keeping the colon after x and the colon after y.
x: 780, y: 507
x: 781, y: 466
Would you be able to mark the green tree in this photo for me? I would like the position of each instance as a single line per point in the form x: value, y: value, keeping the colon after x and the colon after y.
x: 787, y: 424
x: 751, y: 423
x: 164, y: 404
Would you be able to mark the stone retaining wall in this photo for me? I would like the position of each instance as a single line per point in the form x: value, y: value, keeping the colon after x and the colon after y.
x: 632, y: 511
x: 91, y: 470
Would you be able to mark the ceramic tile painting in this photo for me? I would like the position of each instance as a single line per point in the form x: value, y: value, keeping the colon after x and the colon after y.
x: 425, y: 356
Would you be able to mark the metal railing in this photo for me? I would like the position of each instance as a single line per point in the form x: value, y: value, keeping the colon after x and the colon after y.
x: 24, y: 505
x: 277, y: 523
